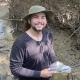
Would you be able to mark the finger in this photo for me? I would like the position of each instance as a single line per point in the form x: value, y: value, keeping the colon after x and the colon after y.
x: 53, y: 72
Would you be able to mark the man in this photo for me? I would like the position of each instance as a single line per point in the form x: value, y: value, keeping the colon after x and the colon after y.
x: 32, y: 52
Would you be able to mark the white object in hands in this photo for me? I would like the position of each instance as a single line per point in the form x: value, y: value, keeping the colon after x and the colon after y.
x: 59, y: 67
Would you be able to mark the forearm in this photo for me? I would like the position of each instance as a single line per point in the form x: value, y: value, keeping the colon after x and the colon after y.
x: 21, y: 71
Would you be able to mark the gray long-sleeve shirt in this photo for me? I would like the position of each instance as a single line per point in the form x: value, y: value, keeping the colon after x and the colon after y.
x: 28, y: 57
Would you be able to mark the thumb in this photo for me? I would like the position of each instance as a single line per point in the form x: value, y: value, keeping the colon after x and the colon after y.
x: 52, y: 72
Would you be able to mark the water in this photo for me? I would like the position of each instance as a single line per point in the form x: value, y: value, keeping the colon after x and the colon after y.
x: 2, y: 29
x: 60, y: 67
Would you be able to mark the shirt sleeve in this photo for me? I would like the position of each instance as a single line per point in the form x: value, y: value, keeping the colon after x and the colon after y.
x: 16, y: 62
x: 52, y: 54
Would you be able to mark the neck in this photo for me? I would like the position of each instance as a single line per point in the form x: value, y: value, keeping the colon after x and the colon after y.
x: 37, y: 35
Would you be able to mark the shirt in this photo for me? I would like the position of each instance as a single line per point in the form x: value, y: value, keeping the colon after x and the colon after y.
x: 28, y: 56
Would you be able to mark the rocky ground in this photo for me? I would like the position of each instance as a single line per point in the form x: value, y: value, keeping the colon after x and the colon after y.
x: 5, y: 47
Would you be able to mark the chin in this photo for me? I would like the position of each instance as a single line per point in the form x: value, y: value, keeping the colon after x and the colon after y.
x: 38, y: 29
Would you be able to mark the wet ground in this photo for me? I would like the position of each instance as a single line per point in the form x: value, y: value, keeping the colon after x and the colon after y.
x: 5, y: 48
x: 5, y: 45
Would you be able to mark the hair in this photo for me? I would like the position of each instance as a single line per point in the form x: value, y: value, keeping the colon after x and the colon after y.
x: 26, y: 23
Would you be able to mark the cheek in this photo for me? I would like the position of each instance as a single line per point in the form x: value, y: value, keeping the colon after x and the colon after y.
x: 33, y: 21
x: 45, y: 22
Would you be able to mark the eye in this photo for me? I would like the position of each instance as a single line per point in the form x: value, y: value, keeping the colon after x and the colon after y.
x: 35, y: 16
x: 43, y: 17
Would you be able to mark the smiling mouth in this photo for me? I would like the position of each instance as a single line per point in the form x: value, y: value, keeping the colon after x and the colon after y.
x: 40, y: 24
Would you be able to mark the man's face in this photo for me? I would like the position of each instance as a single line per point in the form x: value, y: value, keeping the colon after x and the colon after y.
x: 38, y: 21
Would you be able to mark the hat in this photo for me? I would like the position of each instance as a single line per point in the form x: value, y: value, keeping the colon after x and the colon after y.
x: 36, y: 9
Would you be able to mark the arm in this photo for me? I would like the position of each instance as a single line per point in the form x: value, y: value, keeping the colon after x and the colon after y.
x: 52, y: 55
x: 16, y: 62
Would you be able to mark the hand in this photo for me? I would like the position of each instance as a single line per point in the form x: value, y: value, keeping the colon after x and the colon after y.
x: 45, y: 73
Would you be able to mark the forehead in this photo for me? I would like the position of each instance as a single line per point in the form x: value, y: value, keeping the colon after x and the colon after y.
x: 39, y: 14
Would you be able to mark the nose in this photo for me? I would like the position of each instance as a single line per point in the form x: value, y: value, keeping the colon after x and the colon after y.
x: 40, y: 20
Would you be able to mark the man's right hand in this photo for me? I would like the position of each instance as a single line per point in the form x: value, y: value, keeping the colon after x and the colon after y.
x: 45, y: 73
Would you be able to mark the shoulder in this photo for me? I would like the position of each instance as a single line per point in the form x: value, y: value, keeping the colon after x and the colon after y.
x: 20, y: 40
x: 48, y: 34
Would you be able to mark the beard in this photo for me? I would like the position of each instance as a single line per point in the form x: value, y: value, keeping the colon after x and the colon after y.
x: 37, y: 30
